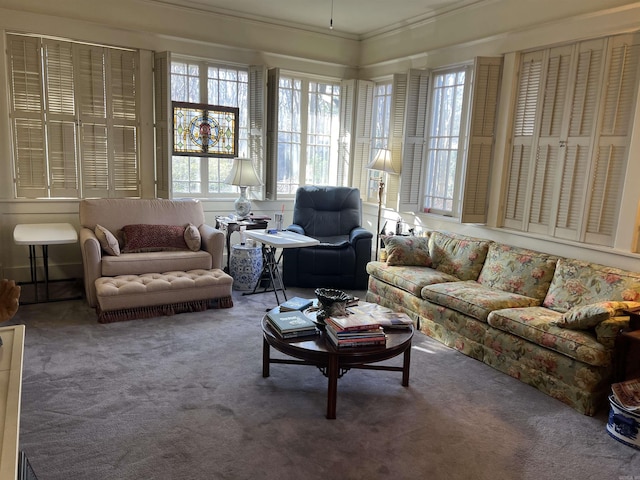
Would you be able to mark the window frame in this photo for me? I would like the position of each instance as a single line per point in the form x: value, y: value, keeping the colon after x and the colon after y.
x: 207, y: 172
x: 430, y: 163
x: 274, y: 132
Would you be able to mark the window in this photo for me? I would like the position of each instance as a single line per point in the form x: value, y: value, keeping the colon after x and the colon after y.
x: 380, y: 132
x: 201, y: 82
x: 445, y: 151
x: 304, y: 128
x: 448, y: 138
x: 573, y: 115
x: 74, y: 119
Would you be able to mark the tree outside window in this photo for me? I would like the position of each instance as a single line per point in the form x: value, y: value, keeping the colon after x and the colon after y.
x: 307, y: 150
x: 447, y: 120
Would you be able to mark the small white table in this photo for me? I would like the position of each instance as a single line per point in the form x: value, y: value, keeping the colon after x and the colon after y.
x: 270, y: 243
x: 43, y: 234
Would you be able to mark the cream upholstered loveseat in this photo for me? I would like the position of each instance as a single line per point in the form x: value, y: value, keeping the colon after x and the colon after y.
x: 114, y: 214
x: 548, y: 321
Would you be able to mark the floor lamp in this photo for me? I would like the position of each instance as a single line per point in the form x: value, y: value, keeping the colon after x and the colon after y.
x: 381, y: 162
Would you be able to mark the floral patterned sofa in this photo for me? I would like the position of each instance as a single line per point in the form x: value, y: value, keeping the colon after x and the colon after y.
x: 548, y: 321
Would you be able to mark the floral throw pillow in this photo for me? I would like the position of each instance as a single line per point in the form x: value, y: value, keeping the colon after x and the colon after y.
x: 403, y: 250
x: 588, y: 316
x: 108, y: 241
x: 192, y: 237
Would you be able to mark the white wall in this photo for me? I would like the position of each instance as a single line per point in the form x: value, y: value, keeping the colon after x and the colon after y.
x: 495, y: 27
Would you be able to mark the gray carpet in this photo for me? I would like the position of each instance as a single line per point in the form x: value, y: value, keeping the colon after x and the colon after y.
x: 182, y: 397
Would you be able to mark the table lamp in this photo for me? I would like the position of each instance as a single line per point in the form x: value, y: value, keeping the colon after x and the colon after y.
x: 243, y: 174
x: 381, y: 162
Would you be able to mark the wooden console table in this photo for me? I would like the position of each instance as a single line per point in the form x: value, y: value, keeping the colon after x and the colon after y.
x: 10, y: 393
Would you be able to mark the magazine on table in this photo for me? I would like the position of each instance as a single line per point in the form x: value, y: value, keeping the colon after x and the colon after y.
x: 627, y: 393
x: 383, y: 316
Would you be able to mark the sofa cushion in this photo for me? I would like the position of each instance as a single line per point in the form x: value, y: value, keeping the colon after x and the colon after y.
x: 472, y: 299
x: 518, y: 270
x: 403, y: 250
x: 409, y: 278
x: 588, y: 316
x: 457, y: 254
x: 578, y: 283
x: 154, y: 262
x: 192, y: 237
x: 538, y: 325
x: 153, y: 238
x: 108, y: 241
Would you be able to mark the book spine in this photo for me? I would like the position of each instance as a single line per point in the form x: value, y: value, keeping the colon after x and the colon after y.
x: 355, y: 328
x: 303, y: 333
x: 361, y: 342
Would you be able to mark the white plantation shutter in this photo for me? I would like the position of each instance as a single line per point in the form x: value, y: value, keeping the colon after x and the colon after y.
x: 484, y: 107
x: 547, y: 160
x: 576, y: 148
x: 363, y: 131
x: 346, y: 137
x: 396, y: 140
x: 163, y: 124
x: 577, y: 134
x: 416, y: 106
x: 257, y: 108
x: 123, y: 141
x: 58, y: 91
x: 61, y: 115
x: 27, y: 116
x: 527, y: 101
x: 611, y: 150
x: 271, y: 160
x: 93, y: 120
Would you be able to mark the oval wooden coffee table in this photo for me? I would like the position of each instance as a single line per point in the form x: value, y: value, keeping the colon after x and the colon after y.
x: 318, y: 351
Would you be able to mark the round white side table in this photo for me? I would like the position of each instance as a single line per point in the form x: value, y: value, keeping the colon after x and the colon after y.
x: 245, y: 266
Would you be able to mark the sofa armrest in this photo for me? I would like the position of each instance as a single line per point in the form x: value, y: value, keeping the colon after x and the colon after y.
x: 91, y: 263
x: 212, y: 242
x: 608, y: 330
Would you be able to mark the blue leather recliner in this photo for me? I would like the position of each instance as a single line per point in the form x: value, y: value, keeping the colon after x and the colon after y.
x: 333, y: 215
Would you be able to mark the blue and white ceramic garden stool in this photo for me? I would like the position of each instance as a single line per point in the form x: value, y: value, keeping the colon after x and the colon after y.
x: 245, y: 266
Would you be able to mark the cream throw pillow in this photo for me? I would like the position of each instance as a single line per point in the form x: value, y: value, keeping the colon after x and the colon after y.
x: 192, y: 237
x: 108, y: 241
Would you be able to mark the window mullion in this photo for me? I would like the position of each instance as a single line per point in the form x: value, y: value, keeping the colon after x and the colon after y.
x: 304, y: 131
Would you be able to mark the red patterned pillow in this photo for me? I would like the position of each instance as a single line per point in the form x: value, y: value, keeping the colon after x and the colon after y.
x: 153, y: 238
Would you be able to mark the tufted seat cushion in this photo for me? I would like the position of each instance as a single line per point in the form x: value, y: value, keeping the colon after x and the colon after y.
x: 131, y: 292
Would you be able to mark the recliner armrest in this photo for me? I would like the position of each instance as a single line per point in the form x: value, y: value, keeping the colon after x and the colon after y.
x: 359, y: 233
x: 296, y: 228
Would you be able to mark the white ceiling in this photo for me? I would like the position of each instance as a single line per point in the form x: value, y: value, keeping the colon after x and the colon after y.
x: 355, y: 17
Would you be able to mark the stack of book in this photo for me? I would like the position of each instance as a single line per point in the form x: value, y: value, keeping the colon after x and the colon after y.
x: 291, y: 324
x: 354, y: 331
x: 627, y: 394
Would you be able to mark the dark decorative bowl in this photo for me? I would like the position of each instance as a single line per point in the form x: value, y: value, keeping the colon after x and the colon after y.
x: 332, y: 303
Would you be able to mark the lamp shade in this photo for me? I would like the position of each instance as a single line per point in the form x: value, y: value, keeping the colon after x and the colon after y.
x: 382, y: 162
x: 243, y: 173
